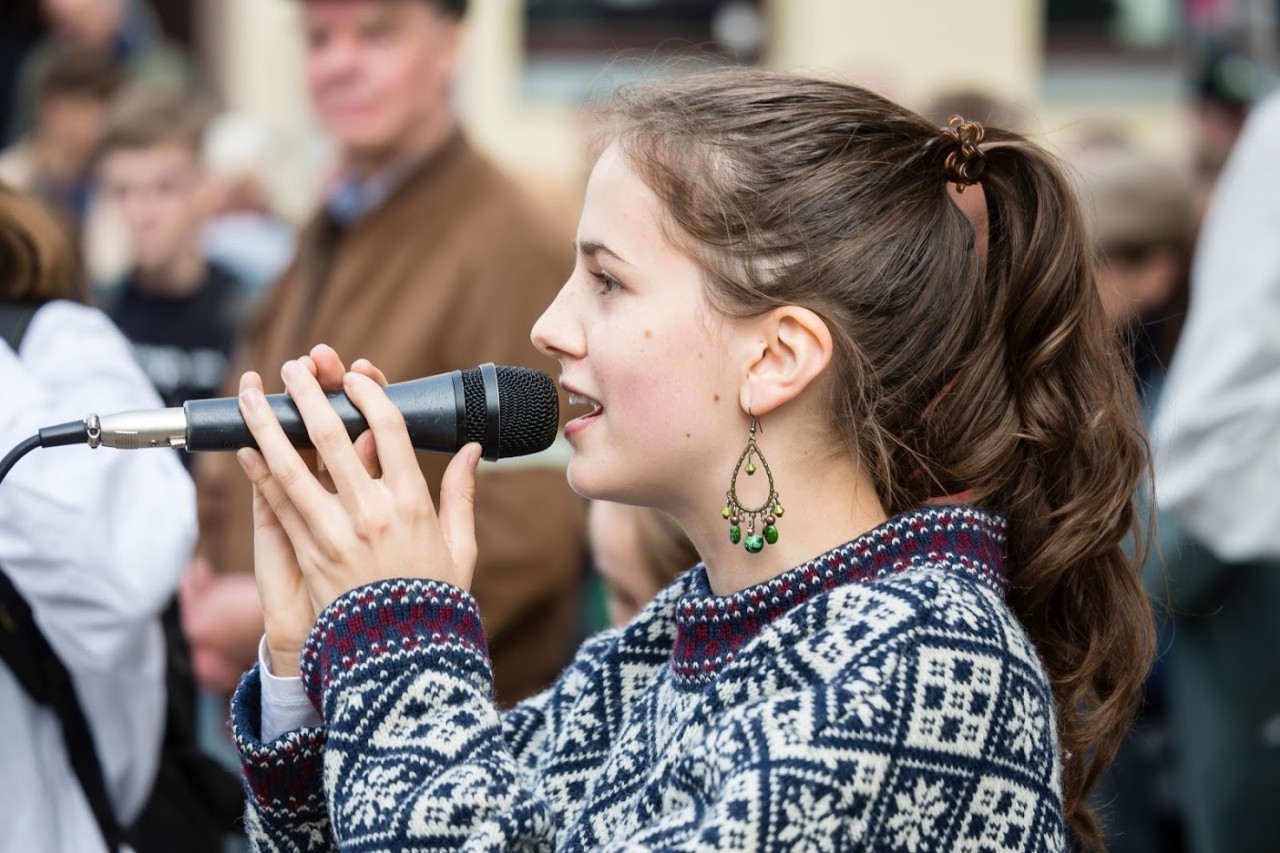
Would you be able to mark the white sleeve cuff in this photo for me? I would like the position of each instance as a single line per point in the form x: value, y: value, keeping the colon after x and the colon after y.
x: 285, y: 705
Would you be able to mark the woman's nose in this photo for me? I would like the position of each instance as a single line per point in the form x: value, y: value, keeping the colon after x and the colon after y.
x: 555, y: 333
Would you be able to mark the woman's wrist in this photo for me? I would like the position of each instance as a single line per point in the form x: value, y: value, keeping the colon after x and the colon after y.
x: 283, y: 659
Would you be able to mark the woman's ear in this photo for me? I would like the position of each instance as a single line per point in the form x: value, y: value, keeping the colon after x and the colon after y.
x: 795, y: 347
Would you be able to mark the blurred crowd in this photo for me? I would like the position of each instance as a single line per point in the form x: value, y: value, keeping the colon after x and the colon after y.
x: 162, y: 196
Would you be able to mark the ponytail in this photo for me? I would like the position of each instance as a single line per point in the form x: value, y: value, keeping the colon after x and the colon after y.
x: 1062, y: 460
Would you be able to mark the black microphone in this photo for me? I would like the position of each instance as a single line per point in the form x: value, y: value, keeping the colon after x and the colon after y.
x: 510, y: 411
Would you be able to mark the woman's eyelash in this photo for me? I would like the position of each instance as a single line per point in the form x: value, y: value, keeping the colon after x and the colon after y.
x: 608, y: 282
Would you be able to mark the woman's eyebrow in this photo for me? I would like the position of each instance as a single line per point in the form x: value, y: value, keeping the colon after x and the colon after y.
x: 591, y: 248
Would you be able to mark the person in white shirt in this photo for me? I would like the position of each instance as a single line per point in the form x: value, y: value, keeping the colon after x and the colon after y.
x: 1216, y: 443
x: 95, y: 542
x: 1216, y: 434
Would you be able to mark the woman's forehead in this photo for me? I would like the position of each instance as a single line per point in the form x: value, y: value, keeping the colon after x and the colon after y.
x: 619, y: 206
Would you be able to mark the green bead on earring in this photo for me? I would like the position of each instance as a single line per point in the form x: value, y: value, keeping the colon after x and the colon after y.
x: 734, y: 512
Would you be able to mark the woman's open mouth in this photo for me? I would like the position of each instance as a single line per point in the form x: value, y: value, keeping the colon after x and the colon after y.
x: 582, y: 421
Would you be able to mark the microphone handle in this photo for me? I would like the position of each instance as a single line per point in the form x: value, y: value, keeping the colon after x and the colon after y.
x: 434, y: 409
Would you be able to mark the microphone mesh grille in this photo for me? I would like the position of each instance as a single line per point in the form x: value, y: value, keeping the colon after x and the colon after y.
x: 473, y: 394
x: 530, y: 409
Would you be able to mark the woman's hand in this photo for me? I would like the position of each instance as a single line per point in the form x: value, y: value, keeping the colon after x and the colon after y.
x: 287, y: 607
x: 371, y: 527
x: 288, y: 611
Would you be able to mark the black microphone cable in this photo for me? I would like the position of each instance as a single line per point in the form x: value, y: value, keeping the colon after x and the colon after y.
x: 72, y: 432
x: 11, y: 459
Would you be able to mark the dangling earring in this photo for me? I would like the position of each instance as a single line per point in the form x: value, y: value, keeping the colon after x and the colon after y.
x: 734, y: 512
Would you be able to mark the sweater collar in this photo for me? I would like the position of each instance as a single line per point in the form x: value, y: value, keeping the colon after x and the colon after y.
x: 711, y: 629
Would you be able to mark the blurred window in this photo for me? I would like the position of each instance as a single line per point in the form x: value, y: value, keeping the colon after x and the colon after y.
x: 568, y: 43
x: 1109, y: 26
x: 1100, y: 50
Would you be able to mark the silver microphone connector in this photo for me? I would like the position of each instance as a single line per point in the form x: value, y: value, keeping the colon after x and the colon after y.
x: 135, y: 430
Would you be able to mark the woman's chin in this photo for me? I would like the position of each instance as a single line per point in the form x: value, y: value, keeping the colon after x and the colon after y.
x: 580, y: 483
x: 589, y: 483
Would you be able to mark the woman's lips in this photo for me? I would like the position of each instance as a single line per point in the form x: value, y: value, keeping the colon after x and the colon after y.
x: 581, y: 422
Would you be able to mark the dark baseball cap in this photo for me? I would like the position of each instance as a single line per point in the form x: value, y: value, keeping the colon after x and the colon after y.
x: 453, y: 8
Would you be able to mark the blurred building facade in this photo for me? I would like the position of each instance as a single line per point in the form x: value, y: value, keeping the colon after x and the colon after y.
x: 1066, y: 66
x: 1069, y: 66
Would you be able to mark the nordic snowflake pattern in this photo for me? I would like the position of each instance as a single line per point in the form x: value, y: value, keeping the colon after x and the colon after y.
x: 880, y: 696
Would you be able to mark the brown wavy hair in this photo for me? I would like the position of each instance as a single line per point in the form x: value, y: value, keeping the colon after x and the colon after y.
x: 992, y: 375
x: 37, y: 260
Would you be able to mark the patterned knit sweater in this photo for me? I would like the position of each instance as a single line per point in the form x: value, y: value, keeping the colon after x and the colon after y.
x: 881, y: 696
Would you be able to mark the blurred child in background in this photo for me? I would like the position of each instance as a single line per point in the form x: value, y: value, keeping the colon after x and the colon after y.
x: 180, y: 310
x: 52, y: 162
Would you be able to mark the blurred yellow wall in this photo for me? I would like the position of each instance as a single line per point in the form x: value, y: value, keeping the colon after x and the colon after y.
x: 908, y: 49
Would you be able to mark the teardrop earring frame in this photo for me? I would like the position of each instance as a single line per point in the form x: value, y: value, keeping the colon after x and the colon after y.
x: 768, y: 512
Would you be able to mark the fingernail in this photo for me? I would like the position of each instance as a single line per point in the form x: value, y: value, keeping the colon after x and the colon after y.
x: 247, y: 458
x: 252, y: 399
x: 288, y: 368
x: 353, y: 378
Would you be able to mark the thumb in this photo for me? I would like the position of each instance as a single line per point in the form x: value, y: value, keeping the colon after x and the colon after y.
x: 457, y: 508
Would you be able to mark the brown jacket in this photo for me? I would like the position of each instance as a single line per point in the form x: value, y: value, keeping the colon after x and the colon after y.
x: 450, y: 271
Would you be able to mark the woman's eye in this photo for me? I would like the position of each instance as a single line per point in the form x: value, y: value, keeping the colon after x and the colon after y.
x: 608, y: 284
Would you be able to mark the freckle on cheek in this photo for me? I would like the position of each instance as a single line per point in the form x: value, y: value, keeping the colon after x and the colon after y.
x: 715, y: 398
x: 648, y: 333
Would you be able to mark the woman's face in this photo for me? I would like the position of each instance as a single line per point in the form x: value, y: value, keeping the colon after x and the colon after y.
x: 649, y: 364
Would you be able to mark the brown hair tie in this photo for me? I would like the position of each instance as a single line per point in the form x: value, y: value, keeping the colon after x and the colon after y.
x: 965, y: 161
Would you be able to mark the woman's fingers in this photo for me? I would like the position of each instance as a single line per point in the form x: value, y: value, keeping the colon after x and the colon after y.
x: 382, y: 523
x: 327, y: 432
x: 364, y: 366
x: 282, y: 459
x: 288, y: 608
x: 367, y: 450
x: 366, y: 447
x: 250, y: 380
x: 396, y: 455
x: 324, y: 363
x: 273, y: 511
x: 458, y: 509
